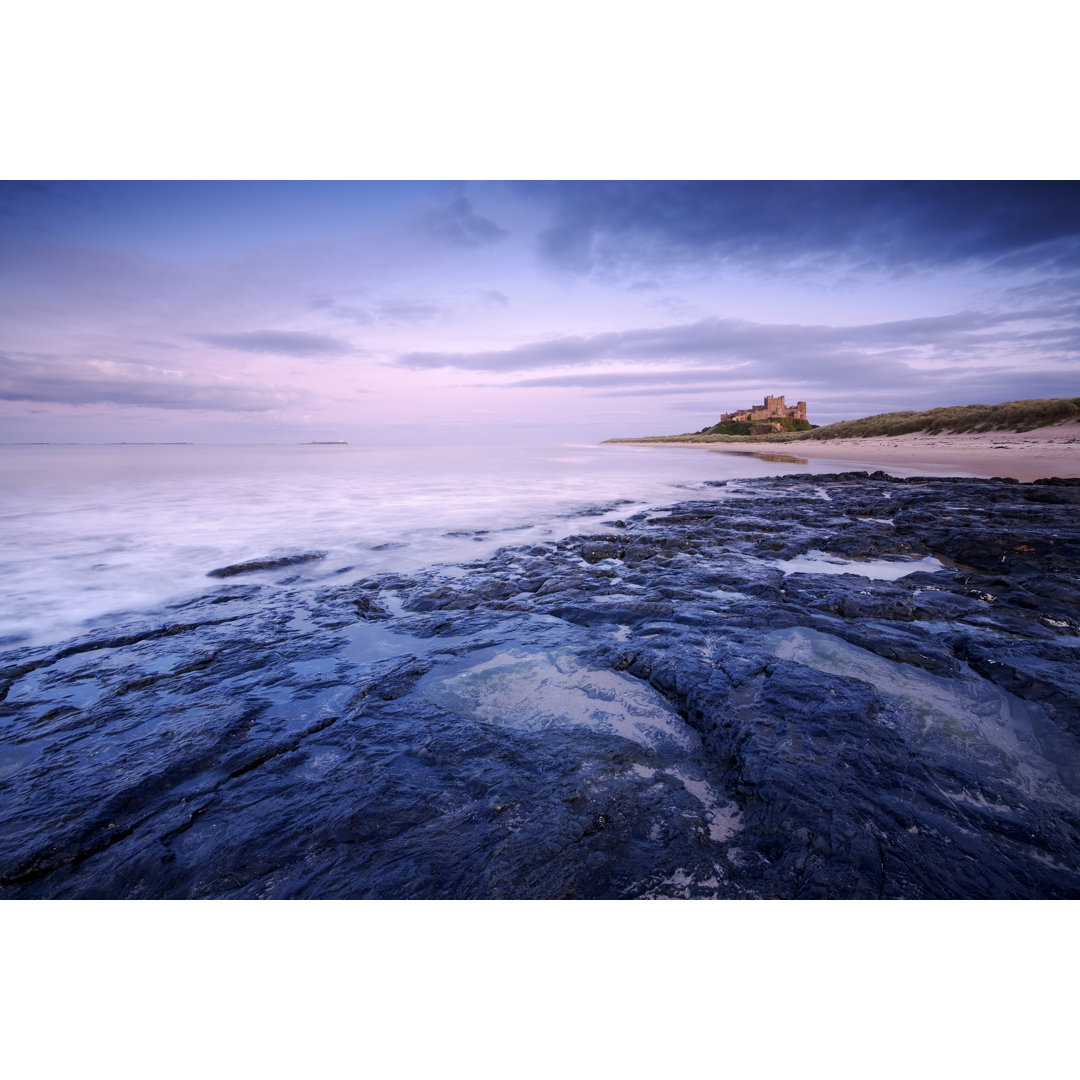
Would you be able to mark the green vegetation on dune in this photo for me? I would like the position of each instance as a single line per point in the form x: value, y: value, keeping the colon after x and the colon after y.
x: 742, y: 427
x: 1007, y: 416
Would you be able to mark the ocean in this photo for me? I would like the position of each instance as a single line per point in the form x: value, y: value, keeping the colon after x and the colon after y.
x: 99, y: 535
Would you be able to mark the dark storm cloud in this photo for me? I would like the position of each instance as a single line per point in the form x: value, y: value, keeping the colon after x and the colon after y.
x: 890, y: 226
x: 459, y: 225
x: 278, y: 343
x: 732, y: 340
x: 67, y: 381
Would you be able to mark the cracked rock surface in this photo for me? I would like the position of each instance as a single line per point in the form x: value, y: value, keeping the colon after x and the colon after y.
x: 835, y: 686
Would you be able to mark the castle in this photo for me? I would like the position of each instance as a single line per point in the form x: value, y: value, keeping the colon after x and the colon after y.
x: 765, y: 417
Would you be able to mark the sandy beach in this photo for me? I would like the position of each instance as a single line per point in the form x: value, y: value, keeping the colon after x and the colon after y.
x: 1029, y: 455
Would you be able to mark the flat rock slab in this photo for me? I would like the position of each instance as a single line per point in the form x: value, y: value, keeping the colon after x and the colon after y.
x: 835, y: 686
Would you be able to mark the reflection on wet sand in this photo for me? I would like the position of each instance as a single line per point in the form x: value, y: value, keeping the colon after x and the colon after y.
x: 790, y: 459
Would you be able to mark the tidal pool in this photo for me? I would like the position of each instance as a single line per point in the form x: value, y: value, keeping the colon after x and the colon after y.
x: 821, y: 562
x: 551, y: 688
x: 968, y: 709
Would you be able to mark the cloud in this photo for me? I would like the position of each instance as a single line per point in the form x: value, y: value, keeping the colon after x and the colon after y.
x: 458, y: 225
x: 278, y: 342
x: 656, y: 391
x: 358, y: 315
x: 393, y: 311
x: 158, y: 344
x: 68, y: 381
x: 730, y: 340
x: 1063, y: 290
x: 627, y: 227
x: 408, y: 311
x: 856, y: 370
x: 628, y: 378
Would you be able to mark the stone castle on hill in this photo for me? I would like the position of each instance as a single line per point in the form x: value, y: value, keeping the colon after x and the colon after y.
x: 765, y: 418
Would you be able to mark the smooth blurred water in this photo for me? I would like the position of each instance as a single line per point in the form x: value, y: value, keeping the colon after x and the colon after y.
x: 93, y: 535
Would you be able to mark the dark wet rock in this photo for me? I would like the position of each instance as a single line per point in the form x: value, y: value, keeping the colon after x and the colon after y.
x: 600, y: 549
x: 369, y: 610
x: 597, y: 510
x: 265, y: 564
x: 657, y: 709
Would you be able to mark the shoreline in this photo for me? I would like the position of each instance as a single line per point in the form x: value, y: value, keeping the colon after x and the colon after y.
x: 1025, y: 456
x: 832, y: 687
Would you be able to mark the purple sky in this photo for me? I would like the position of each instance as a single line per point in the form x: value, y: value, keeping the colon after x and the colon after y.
x: 495, y: 312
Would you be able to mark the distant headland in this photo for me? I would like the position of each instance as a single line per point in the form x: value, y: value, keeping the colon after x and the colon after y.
x: 773, y: 415
x: 789, y: 423
x: 1025, y: 440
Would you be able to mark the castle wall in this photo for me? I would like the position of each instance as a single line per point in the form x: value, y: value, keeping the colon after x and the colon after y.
x: 773, y: 408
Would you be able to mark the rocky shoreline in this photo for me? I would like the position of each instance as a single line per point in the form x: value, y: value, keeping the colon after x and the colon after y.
x: 832, y: 686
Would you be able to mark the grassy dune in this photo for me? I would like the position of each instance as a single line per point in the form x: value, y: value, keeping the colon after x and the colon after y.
x: 1007, y: 416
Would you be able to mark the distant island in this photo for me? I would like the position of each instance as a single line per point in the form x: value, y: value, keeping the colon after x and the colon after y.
x: 775, y: 422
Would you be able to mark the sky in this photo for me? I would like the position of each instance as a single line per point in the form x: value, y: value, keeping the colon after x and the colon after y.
x: 494, y: 312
